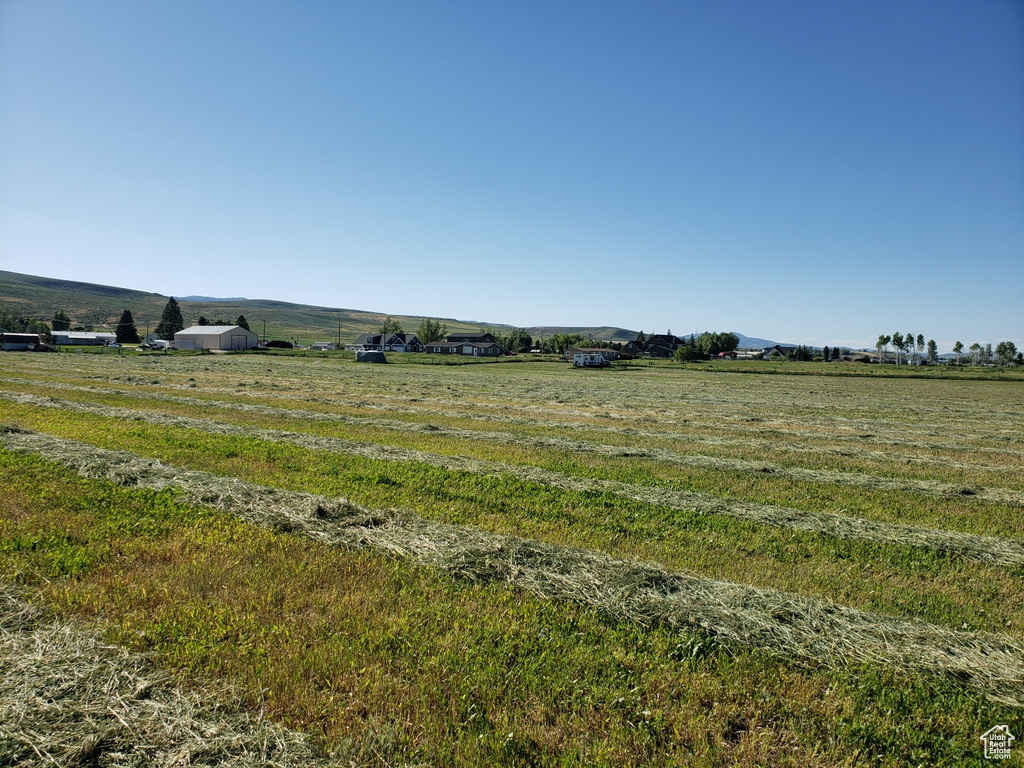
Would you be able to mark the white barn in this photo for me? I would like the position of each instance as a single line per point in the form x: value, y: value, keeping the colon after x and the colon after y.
x: 215, y: 337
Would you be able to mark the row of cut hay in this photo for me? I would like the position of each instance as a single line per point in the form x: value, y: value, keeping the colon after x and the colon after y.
x: 783, y: 624
x: 696, y: 461
x: 724, y: 396
x: 997, y: 551
x: 837, y: 429
x: 764, y: 445
x: 950, y: 436
x: 68, y: 699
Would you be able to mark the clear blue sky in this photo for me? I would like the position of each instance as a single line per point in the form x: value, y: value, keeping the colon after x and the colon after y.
x: 815, y: 172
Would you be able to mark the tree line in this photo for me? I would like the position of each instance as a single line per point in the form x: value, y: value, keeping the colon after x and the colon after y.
x: 916, y: 351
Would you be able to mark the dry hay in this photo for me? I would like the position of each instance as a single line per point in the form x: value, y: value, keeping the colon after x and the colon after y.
x: 69, y: 699
x: 990, y: 549
x: 783, y: 624
x: 851, y: 431
x: 764, y: 443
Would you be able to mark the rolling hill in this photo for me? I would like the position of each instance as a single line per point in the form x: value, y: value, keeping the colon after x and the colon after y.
x: 101, y: 306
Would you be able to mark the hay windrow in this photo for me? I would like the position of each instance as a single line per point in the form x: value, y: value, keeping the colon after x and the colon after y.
x: 696, y: 461
x: 990, y: 549
x: 762, y: 442
x: 67, y: 699
x: 762, y: 435
x: 782, y: 624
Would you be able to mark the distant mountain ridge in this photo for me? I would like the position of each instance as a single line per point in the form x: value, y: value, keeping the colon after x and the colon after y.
x: 101, y: 306
x: 209, y: 299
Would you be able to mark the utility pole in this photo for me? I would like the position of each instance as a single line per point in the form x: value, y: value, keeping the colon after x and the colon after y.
x: 264, y: 331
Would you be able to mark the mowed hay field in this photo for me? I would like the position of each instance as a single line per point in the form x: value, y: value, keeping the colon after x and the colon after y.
x: 512, y: 563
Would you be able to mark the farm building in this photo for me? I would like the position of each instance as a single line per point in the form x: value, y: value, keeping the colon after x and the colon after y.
x: 323, y: 346
x: 82, y: 339
x: 12, y: 342
x: 215, y: 337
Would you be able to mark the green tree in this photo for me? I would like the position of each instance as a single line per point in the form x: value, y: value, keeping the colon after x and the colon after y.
x: 933, y: 351
x: 975, y: 351
x: 126, y: 332
x: 61, y: 321
x: 171, y: 320
x: 391, y: 326
x: 241, y: 322
x: 9, y: 321
x: 1005, y: 351
x: 686, y: 354
x: 516, y: 340
x: 640, y: 337
x: 882, y: 346
x: 958, y: 350
x: 202, y: 321
x: 560, y: 342
x: 825, y: 353
x: 711, y: 344
x: 919, y: 345
x: 431, y: 330
x: 897, y: 345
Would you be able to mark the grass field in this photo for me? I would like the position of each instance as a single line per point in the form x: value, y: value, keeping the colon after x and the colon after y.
x: 646, y: 565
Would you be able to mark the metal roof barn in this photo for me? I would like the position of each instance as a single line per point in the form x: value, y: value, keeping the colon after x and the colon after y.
x: 215, y: 337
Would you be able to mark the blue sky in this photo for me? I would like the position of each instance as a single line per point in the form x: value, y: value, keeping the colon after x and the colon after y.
x: 815, y: 172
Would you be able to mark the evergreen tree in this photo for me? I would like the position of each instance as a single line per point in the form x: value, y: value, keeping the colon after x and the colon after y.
x: 241, y: 322
x: 825, y: 352
x: 202, y: 321
x: 126, y: 332
x: 171, y: 320
x: 61, y: 321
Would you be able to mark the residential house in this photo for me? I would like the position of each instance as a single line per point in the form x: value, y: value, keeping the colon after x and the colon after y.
x: 478, y: 338
x: 656, y: 345
x: 388, y: 342
x: 482, y: 348
x: 444, y: 348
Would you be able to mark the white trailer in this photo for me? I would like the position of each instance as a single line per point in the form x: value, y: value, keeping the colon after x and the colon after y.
x: 589, y: 360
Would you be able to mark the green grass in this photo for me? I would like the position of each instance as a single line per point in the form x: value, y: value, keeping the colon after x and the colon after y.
x: 365, y: 651
x: 361, y: 649
x: 889, y: 578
